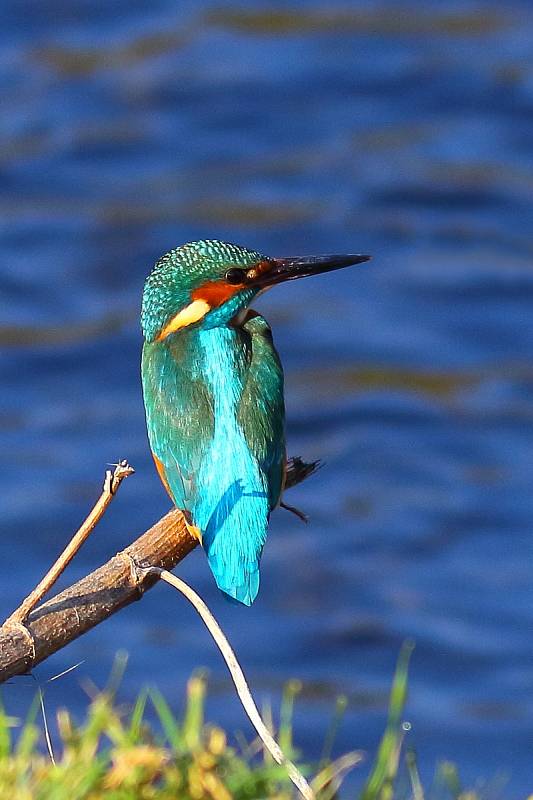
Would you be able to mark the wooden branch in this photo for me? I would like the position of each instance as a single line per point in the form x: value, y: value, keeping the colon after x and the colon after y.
x: 120, y: 581
x: 94, y: 598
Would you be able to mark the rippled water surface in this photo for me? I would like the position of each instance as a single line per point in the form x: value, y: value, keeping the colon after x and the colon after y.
x: 404, y: 130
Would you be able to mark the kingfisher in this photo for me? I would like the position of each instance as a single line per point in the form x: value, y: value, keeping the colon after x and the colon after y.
x: 213, y: 394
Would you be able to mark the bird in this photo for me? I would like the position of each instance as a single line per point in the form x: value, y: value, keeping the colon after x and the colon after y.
x: 214, y: 399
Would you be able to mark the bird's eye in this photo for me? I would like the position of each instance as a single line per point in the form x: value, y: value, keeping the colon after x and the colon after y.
x: 235, y: 275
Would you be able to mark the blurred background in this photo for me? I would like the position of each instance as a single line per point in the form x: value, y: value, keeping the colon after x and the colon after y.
x: 399, y: 129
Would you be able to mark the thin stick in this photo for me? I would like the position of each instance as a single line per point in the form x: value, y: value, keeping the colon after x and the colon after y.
x: 46, y: 728
x: 111, y: 483
x: 238, y: 679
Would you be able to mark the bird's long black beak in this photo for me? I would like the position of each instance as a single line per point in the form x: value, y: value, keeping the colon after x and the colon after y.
x: 279, y: 270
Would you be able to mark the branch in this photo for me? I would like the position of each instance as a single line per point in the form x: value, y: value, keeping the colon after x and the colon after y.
x: 112, y: 481
x: 94, y: 598
x: 239, y: 680
x: 116, y: 584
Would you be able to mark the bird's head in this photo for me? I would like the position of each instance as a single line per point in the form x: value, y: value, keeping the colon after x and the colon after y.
x: 207, y: 283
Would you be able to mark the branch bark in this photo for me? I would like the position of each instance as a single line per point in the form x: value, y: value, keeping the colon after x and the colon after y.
x: 88, y: 602
x: 26, y: 641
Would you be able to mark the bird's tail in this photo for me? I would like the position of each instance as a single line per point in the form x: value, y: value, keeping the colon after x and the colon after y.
x: 238, y: 581
x: 233, y: 541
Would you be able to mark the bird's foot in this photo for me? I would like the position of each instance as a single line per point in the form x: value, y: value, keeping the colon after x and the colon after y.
x: 194, y: 531
x: 295, y: 511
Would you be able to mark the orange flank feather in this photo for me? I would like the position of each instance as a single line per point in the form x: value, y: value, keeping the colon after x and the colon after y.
x: 161, y: 472
x: 194, y: 530
x: 215, y: 293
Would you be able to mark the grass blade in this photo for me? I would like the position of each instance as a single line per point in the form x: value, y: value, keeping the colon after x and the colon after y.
x: 379, y: 785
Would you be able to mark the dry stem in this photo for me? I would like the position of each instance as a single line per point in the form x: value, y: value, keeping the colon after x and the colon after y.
x: 238, y: 679
x: 111, y: 483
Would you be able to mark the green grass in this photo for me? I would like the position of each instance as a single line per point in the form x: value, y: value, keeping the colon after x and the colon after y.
x: 119, y: 755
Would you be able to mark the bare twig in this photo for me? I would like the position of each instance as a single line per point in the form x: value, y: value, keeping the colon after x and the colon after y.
x: 65, y: 671
x: 94, y: 598
x: 111, y: 483
x: 115, y: 584
x: 47, y: 738
x: 238, y: 679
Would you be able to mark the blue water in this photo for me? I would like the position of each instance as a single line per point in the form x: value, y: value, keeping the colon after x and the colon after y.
x: 403, y: 130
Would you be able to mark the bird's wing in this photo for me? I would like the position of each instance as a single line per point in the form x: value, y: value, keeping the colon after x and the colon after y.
x: 179, y: 416
x: 261, y: 412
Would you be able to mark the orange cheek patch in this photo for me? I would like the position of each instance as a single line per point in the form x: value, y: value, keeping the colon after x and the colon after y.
x: 215, y: 293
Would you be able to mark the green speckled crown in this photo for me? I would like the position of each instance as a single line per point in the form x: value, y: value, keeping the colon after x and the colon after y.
x: 179, y: 272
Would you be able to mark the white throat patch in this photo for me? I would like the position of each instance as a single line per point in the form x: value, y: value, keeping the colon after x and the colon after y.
x: 194, y: 312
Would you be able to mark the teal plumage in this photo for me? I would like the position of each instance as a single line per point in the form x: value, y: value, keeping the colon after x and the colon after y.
x: 216, y: 424
x: 213, y: 393
x: 215, y: 416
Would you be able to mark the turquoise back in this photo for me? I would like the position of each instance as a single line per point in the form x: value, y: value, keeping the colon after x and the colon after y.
x: 215, y: 416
